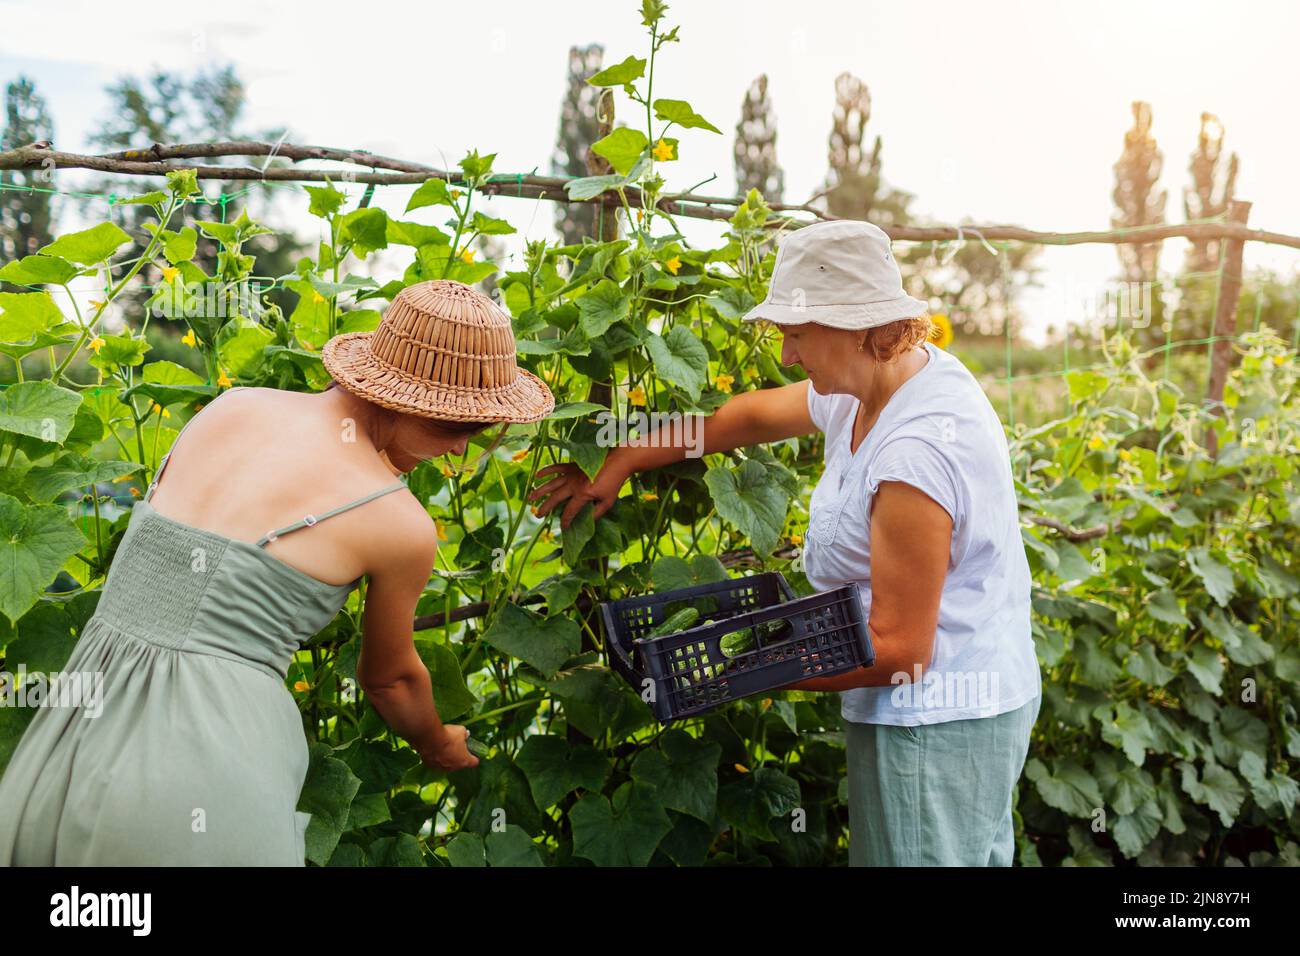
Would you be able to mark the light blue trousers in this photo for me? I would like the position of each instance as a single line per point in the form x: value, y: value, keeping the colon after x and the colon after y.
x: 936, y: 794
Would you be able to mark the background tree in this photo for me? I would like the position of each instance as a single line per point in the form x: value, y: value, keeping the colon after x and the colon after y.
x: 854, y: 188
x: 25, y: 216
x: 166, y: 108
x: 1213, y: 183
x: 1212, y: 187
x: 755, y: 146
x: 1137, y: 201
x: 968, y: 288
x: 579, y: 128
x: 975, y: 289
x: 1271, y: 297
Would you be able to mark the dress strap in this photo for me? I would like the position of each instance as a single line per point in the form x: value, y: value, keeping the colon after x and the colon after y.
x: 310, y: 520
x: 162, y: 462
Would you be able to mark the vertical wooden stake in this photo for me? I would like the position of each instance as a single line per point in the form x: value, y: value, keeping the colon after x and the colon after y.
x: 597, y: 165
x: 1225, y: 318
x: 602, y: 393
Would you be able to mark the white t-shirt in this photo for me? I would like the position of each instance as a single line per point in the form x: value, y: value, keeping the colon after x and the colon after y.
x: 939, y: 433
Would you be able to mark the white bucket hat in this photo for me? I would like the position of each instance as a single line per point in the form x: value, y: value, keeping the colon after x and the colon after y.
x: 839, y: 273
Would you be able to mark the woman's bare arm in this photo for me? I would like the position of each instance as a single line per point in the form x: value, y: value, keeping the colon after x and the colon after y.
x: 750, y: 418
x: 389, y: 670
x: 911, y: 535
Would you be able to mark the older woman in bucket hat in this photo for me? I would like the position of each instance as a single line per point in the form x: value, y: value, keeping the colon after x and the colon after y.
x: 916, y: 507
x: 204, y: 606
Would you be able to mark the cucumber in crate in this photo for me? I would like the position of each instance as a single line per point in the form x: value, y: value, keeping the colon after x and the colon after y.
x: 699, y: 647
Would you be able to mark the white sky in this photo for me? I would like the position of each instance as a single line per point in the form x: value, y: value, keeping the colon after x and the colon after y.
x: 1002, y: 111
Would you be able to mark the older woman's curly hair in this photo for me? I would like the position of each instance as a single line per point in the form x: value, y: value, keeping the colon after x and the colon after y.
x: 887, y: 342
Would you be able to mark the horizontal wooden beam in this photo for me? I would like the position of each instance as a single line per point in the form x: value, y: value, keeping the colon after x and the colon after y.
x: 160, y: 159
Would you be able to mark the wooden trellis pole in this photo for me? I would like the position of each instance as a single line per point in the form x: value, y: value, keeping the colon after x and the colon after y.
x: 599, y: 392
x: 160, y: 159
x: 1225, y: 317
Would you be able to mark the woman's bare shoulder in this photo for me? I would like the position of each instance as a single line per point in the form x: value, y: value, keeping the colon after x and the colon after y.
x: 295, y: 443
x: 400, y: 532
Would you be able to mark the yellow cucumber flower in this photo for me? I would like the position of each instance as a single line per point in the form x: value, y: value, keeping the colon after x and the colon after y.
x: 941, y: 334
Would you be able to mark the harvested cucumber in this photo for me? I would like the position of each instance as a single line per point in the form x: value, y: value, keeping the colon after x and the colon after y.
x: 678, y: 622
x: 707, y: 605
x: 737, y: 642
x: 774, y: 629
x: 477, y: 748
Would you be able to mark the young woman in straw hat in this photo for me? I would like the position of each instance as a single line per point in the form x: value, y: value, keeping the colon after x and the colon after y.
x: 916, y: 507
x: 197, y: 754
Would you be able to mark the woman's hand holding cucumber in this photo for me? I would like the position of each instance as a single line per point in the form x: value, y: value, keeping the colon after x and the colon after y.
x: 747, y: 418
x: 572, y: 483
x: 450, y: 750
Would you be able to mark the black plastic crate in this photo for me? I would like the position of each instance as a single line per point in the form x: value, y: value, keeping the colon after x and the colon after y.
x: 690, y: 673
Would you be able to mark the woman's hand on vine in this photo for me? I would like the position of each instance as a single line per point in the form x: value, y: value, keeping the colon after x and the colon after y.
x: 572, y: 484
x: 450, y: 751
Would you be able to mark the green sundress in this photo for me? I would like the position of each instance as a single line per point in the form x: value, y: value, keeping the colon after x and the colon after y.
x: 197, y: 755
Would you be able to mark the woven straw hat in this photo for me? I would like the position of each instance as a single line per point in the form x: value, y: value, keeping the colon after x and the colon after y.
x: 443, y: 350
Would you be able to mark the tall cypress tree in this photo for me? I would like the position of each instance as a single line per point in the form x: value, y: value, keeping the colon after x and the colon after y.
x: 1211, y: 189
x: 26, y: 216
x: 1137, y: 201
x: 969, y: 289
x: 579, y: 129
x: 755, y: 147
x: 1212, y: 185
x: 854, y: 187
